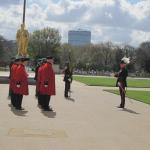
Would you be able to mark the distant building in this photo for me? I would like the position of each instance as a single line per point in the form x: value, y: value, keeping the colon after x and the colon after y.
x: 79, y: 37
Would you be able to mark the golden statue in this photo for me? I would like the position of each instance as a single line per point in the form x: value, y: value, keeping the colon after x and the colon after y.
x: 22, y: 38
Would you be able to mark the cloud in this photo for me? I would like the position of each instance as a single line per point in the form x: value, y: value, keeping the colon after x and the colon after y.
x: 120, y: 21
x: 138, y: 36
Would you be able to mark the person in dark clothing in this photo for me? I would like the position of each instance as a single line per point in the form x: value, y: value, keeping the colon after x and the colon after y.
x: 122, y: 80
x: 36, y: 77
x: 67, y: 80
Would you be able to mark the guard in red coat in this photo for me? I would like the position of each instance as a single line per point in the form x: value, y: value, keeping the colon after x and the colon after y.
x: 46, y: 80
x: 21, y: 83
x: 12, y: 82
x: 38, y: 81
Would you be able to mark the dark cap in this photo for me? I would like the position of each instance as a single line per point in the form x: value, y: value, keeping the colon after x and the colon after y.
x: 25, y: 59
x: 17, y: 59
x: 49, y: 57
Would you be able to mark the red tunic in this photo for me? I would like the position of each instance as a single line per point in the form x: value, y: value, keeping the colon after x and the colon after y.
x: 39, y: 77
x: 21, y: 77
x: 46, y: 78
x: 12, y: 76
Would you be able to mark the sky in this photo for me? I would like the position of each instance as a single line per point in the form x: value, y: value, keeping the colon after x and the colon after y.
x: 119, y: 21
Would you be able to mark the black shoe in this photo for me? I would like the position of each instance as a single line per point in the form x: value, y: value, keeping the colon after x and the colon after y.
x: 19, y: 108
x: 66, y: 96
x: 50, y: 109
x: 120, y: 107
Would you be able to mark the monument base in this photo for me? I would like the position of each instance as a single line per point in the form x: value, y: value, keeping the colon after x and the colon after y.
x: 5, y: 80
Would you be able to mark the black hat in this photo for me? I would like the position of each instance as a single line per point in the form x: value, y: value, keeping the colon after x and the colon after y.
x: 25, y: 59
x: 17, y: 59
x: 49, y: 57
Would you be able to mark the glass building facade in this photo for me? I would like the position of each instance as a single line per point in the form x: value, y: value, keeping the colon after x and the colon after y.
x: 79, y: 37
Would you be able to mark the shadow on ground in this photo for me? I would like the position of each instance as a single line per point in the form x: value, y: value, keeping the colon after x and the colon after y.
x: 130, y: 111
x: 70, y: 99
x: 49, y: 114
x: 18, y: 112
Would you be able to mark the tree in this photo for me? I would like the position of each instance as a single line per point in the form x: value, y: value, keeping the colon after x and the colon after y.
x: 143, y: 57
x: 1, y: 46
x: 44, y: 42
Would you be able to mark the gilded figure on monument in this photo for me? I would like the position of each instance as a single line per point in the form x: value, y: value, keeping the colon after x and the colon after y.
x: 22, y: 38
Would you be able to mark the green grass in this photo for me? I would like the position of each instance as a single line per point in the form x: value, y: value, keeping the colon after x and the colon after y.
x: 111, y: 82
x: 142, y: 96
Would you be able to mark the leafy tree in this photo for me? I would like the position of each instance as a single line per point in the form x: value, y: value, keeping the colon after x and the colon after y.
x: 44, y: 42
x: 1, y: 46
x: 143, y: 57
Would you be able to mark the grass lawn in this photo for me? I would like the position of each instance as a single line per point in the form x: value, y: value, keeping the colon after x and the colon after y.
x: 111, y: 82
x: 142, y: 96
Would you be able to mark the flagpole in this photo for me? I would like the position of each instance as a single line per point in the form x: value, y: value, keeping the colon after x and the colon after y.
x: 24, y: 12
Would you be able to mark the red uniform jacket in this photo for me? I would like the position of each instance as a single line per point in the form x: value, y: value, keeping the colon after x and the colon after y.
x: 38, y: 83
x: 21, y: 78
x: 12, y: 76
x: 46, y: 79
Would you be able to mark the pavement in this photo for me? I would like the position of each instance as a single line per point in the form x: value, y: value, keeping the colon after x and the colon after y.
x: 87, y: 121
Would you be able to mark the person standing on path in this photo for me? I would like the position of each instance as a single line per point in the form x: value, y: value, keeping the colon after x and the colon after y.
x: 46, y: 80
x: 68, y: 80
x: 36, y: 77
x: 21, y: 83
x: 122, y: 80
x: 38, y: 81
x: 12, y: 82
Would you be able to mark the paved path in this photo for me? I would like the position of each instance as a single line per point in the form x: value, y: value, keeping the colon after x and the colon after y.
x: 90, y: 121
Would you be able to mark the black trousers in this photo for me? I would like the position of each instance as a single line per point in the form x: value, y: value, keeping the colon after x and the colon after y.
x: 19, y: 98
x: 39, y: 99
x: 16, y: 100
x: 13, y: 99
x: 44, y: 100
x: 122, y: 94
x: 67, y: 88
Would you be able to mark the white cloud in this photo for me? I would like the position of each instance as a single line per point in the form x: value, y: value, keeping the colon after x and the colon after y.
x: 139, y: 36
x: 140, y: 10
x: 119, y: 21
